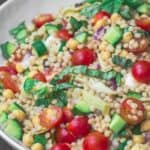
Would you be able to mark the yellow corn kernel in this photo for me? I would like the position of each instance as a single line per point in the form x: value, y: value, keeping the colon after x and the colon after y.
x: 123, y: 53
x: 8, y: 94
x: 19, y: 67
x: 37, y: 146
x: 4, y: 107
x: 103, y: 45
x: 19, y: 115
x: 105, y: 55
x: 145, y: 126
x: 27, y: 140
x: 115, y: 18
x: 101, y: 23
x: 138, y: 139
x: 127, y: 37
x: 72, y: 44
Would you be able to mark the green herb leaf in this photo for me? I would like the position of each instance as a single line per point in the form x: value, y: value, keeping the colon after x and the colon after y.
x: 136, y: 130
x: 108, y: 75
x: 42, y: 102
x: 92, y: 1
x: 62, y: 45
x: 123, y: 145
x: 134, y: 3
x: 76, y: 25
x: 118, y: 78
x: 126, y: 13
x: 122, y: 61
x: 133, y: 94
x: 42, y: 92
x: 40, y: 139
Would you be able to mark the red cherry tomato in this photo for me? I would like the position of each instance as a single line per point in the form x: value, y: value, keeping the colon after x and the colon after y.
x: 141, y: 71
x: 51, y: 117
x: 67, y: 115
x: 8, y: 70
x: 8, y: 82
x: 40, y: 76
x: 66, y: 78
x: 100, y: 15
x: 64, y: 34
x: 64, y: 136
x: 144, y: 23
x: 142, y: 45
x: 79, y: 126
x: 42, y: 19
x: 61, y: 146
x: 95, y: 141
x: 132, y: 110
x: 84, y: 56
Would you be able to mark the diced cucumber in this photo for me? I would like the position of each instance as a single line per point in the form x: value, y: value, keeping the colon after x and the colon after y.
x: 117, y: 123
x: 40, y: 139
x: 113, y: 35
x: 81, y: 108
x: 39, y: 48
x: 3, y: 117
x: 20, y: 37
x: 8, y: 49
x: 15, y: 106
x: 51, y: 28
x: 81, y: 37
x: 145, y: 8
x: 13, y: 129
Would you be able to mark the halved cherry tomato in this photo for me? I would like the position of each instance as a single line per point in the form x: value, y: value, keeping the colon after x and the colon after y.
x: 84, y: 56
x: 101, y: 15
x: 79, y: 126
x: 8, y: 70
x: 66, y: 78
x: 61, y: 146
x: 42, y: 19
x: 17, y: 57
x: 40, y: 76
x: 51, y: 117
x: 141, y: 71
x: 144, y: 23
x: 132, y: 110
x: 67, y: 115
x: 64, y: 34
x: 64, y: 136
x: 8, y: 82
x: 95, y: 141
x: 142, y: 45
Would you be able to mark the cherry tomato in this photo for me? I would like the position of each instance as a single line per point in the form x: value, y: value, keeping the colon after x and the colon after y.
x: 79, y: 126
x: 8, y: 70
x: 66, y: 78
x: 132, y: 110
x: 64, y: 136
x: 51, y: 117
x: 142, y: 45
x: 42, y: 19
x: 84, y: 56
x: 141, y: 71
x: 61, y: 146
x: 67, y: 115
x: 144, y: 23
x: 8, y: 82
x: 100, y: 15
x: 40, y: 76
x: 64, y: 34
x: 95, y: 141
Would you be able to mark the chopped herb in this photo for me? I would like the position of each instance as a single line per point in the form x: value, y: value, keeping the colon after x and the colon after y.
x: 40, y: 139
x: 42, y: 92
x: 123, y: 145
x: 42, y: 102
x: 62, y: 45
x: 134, y: 3
x: 108, y: 75
x: 136, y: 130
x: 133, y: 94
x: 122, y: 61
x: 118, y: 78
x: 126, y: 13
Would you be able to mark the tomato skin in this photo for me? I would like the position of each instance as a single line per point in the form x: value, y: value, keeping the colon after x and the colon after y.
x: 64, y: 136
x: 126, y: 110
x: 8, y: 70
x: 51, y: 117
x: 143, y: 23
x: 61, y: 146
x: 79, y: 126
x: 84, y: 56
x: 67, y: 115
x: 95, y: 141
x: 64, y: 34
x: 42, y: 19
x: 141, y: 71
x: 40, y: 77
x: 100, y: 15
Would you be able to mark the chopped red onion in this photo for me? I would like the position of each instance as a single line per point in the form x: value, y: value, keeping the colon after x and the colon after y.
x: 147, y: 136
x: 113, y: 84
x: 99, y: 33
x: 115, y: 144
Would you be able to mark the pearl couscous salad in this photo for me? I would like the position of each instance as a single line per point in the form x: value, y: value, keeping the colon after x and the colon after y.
x: 79, y: 80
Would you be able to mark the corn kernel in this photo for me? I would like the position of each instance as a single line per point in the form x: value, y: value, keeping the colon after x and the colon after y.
x: 115, y: 18
x: 37, y: 146
x: 19, y: 115
x: 105, y: 55
x: 72, y: 44
x: 27, y: 140
x: 123, y: 53
x: 103, y: 45
x: 8, y: 94
x: 100, y: 23
x: 138, y: 139
x: 145, y: 126
x: 127, y: 37
x: 19, y: 67
x: 4, y: 107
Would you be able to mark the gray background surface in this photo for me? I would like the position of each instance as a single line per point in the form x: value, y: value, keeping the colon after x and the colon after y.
x: 3, y: 145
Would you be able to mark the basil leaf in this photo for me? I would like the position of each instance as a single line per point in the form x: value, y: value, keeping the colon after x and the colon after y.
x: 62, y: 45
x: 42, y: 102
x: 92, y: 1
x: 91, y: 10
x: 76, y: 25
x: 40, y: 139
x: 134, y: 3
x: 122, y: 61
x: 118, y: 78
x: 126, y: 13
x: 133, y: 94
x: 42, y: 92
x: 136, y: 130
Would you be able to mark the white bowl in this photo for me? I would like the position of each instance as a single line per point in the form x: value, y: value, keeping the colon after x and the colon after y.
x: 12, y: 13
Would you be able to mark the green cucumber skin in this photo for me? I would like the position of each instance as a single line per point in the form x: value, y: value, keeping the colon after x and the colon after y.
x: 3, y: 117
